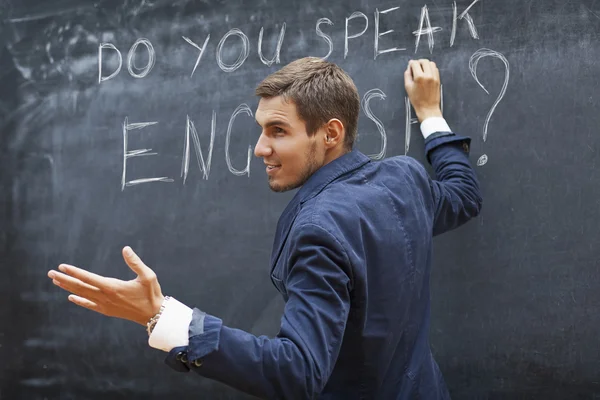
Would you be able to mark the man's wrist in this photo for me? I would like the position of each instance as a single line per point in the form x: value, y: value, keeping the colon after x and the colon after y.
x: 152, y: 321
x: 155, y: 304
x: 423, y: 114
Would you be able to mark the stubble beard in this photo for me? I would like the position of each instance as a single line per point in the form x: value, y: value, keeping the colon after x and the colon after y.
x: 309, y: 169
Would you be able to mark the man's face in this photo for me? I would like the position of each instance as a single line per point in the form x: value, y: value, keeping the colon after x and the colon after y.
x: 290, y: 155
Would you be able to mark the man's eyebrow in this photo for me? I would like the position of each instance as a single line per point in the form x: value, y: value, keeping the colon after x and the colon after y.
x: 277, y: 122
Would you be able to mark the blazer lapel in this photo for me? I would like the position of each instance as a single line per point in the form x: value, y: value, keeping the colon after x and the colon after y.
x: 283, y: 229
x: 315, y: 184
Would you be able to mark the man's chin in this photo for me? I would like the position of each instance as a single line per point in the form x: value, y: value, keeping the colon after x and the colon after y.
x: 277, y: 188
x: 280, y: 188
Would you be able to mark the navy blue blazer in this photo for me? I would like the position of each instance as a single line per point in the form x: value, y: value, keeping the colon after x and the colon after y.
x: 352, y: 259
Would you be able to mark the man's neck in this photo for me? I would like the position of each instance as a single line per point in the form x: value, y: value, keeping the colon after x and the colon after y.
x: 334, y: 154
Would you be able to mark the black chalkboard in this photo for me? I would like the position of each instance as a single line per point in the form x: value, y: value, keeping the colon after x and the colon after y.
x: 516, y: 305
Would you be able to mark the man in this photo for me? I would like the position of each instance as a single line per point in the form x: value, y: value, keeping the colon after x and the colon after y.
x: 351, y: 257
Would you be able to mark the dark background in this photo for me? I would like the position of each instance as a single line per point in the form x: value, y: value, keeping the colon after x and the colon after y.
x: 515, y: 292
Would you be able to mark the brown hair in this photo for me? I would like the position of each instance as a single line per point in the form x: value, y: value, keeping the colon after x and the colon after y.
x: 320, y: 90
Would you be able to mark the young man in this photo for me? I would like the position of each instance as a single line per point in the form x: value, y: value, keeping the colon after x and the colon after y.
x: 351, y: 257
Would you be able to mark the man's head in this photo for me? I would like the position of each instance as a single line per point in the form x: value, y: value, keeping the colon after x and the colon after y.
x: 308, y: 113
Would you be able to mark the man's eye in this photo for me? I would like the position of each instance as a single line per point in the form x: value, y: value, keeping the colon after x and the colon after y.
x: 278, y: 130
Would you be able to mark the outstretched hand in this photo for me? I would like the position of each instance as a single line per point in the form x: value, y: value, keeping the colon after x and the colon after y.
x: 422, y: 84
x: 136, y: 300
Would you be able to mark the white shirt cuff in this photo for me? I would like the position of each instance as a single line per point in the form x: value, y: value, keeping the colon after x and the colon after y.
x: 434, y: 124
x: 172, y: 328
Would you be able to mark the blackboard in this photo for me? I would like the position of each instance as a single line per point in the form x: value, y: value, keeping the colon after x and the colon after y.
x: 516, y: 305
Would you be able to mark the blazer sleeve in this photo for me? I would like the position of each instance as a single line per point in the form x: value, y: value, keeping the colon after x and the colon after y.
x: 456, y: 194
x: 299, y: 360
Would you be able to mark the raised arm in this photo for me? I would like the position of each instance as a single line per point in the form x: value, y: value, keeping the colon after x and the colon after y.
x: 455, y: 192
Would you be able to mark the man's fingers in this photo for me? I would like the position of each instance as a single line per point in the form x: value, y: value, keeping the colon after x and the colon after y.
x: 426, y: 67
x: 417, y: 70
x: 136, y: 264
x: 74, y: 285
x: 83, y: 302
x: 83, y: 275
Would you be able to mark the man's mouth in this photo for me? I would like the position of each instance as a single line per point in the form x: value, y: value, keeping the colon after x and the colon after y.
x: 272, y: 168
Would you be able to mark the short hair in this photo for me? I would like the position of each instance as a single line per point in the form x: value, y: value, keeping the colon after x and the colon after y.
x: 320, y: 90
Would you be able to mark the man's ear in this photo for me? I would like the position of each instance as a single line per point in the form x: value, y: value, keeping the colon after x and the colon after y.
x: 334, y: 133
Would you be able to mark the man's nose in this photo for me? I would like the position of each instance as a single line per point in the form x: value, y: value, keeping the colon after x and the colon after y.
x: 262, y: 148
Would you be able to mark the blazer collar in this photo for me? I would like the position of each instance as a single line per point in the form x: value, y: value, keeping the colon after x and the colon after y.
x: 315, y: 184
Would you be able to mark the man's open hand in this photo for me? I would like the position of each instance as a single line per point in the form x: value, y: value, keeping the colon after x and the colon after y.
x: 422, y: 84
x: 136, y: 300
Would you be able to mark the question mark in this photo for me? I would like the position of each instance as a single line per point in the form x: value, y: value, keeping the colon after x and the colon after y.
x: 478, y: 55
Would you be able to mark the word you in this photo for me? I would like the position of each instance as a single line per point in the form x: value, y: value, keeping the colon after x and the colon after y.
x: 353, y: 30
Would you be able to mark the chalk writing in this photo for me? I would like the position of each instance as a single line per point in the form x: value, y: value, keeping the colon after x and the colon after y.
x: 275, y: 58
x: 230, y: 56
x: 429, y: 31
x: 151, y: 58
x: 425, y: 28
x: 130, y: 60
x: 378, y: 35
x: 242, y: 108
x: 200, y: 49
x: 467, y: 17
x: 355, y: 14
x: 367, y: 110
x: 116, y: 72
x: 243, y: 54
x: 136, y: 153
x: 473, y: 62
x: 203, y: 166
x: 327, y: 38
x: 408, y: 122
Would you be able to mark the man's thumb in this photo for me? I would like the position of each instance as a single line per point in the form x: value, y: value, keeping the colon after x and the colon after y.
x: 136, y: 264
